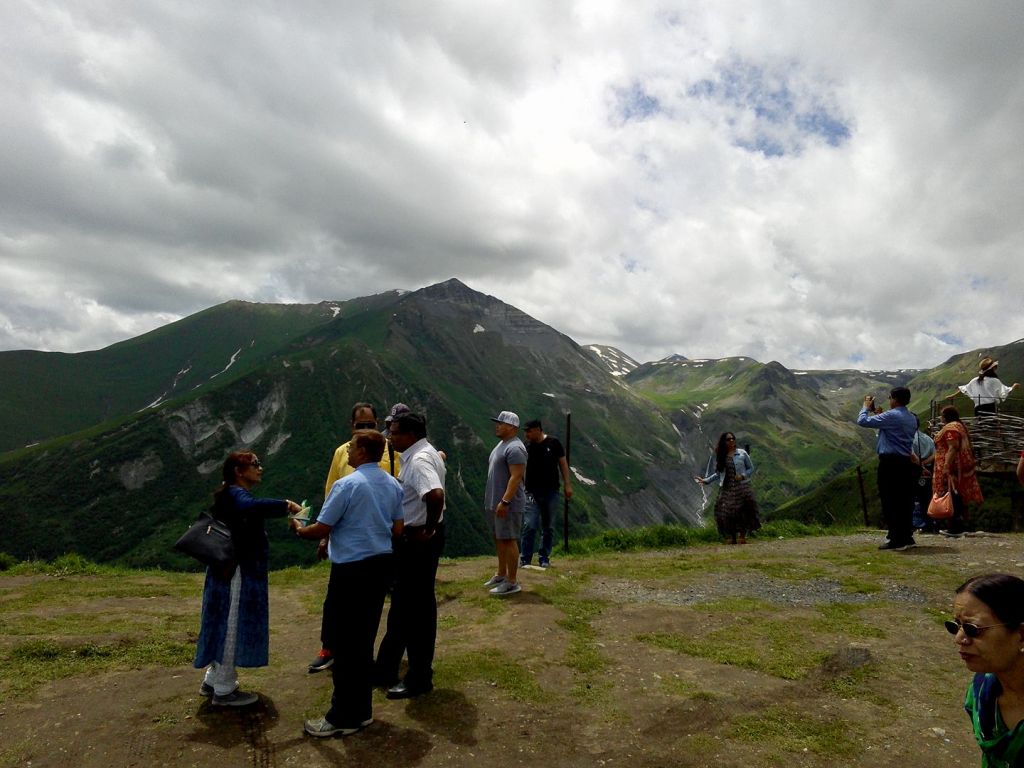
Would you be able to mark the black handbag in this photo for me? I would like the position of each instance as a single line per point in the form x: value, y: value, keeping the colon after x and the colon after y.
x: 209, y: 541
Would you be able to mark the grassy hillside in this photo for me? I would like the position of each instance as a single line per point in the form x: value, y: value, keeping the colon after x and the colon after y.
x: 48, y: 394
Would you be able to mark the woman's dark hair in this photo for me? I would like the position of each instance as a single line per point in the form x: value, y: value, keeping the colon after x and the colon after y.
x: 1001, y: 592
x: 235, y: 461
x: 949, y: 414
x: 722, y: 451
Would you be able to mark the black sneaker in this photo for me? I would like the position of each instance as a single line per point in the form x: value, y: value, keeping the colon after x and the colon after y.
x: 544, y: 563
x: 324, y: 660
x: 893, y: 547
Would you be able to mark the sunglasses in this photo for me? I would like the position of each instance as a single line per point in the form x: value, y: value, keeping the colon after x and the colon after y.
x: 970, y: 630
x: 256, y: 463
x: 365, y: 425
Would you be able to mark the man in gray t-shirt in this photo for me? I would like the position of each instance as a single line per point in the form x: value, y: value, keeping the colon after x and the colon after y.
x: 504, y: 501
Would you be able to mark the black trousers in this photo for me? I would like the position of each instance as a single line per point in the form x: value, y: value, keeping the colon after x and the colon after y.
x: 412, y: 618
x: 355, y: 596
x: 896, y: 486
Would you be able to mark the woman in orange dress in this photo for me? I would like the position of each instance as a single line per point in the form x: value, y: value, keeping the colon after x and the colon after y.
x: 954, y: 468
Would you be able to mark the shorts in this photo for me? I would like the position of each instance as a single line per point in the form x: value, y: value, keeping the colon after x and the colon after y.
x: 510, y: 526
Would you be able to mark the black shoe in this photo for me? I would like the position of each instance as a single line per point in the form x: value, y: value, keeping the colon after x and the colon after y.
x: 324, y: 660
x: 892, y: 546
x: 403, y: 691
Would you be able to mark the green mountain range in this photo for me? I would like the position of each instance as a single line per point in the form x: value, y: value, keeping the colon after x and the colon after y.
x: 131, y: 438
x: 282, y: 381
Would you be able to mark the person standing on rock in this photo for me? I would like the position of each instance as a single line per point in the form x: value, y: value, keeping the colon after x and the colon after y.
x: 545, y: 463
x: 896, y: 479
x: 985, y: 390
x: 364, y: 416
x: 504, y: 501
x: 736, y: 511
x: 361, y: 515
x: 412, y: 618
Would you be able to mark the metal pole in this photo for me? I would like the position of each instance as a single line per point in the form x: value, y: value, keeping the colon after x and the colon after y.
x: 565, y: 507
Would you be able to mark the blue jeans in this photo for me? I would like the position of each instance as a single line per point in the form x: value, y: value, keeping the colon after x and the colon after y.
x: 537, y: 514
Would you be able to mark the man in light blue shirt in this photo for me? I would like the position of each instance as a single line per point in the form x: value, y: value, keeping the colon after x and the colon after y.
x: 361, y: 514
x: 896, y: 481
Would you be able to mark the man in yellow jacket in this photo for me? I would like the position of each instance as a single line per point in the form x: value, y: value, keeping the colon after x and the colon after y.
x: 364, y: 416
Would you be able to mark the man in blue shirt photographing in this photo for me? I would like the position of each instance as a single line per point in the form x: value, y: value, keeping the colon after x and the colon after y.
x: 896, y: 428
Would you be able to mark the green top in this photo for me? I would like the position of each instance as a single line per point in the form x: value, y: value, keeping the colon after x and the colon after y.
x: 1001, y: 747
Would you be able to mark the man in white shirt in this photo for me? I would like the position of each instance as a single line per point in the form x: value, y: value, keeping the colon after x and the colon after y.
x: 412, y: 618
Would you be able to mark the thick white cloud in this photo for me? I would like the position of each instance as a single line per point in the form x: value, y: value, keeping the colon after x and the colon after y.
x: 820, y: 184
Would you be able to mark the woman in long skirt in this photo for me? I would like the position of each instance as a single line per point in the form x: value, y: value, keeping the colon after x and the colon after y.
x: 234, y: 625
x: 736, y: 511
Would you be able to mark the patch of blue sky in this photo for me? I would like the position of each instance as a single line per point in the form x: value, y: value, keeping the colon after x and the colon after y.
x: 978, y: 282
x: 948, y: 338
x: 825, y: 125
x: 856, y: 358
x: 774, y: 99
x: 764, y: 145
x: 630, y: 263
x: 634, y: 103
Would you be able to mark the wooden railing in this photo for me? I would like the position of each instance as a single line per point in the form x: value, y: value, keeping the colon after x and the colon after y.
x: 997, y: 438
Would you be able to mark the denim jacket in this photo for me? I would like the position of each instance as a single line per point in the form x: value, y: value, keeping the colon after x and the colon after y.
x: 744, y: 468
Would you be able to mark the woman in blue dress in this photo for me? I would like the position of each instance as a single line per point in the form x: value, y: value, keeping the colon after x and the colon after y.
x: 235, y: 623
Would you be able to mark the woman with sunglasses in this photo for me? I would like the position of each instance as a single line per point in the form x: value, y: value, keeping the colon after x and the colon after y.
x: 736, y: 511
x: 234, y: 629
x: 988, y: 628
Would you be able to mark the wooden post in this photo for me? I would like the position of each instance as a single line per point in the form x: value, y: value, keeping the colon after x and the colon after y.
x: 565, y: 507
x: 863, y: 497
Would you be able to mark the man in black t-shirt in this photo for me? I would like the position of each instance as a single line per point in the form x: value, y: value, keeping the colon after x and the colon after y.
x: 545, y: 462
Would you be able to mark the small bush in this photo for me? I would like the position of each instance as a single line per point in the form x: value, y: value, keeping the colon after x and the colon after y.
x: 7, y: 561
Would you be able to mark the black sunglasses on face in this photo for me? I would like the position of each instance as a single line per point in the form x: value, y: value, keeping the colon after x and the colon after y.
x: 970, y: 630
x: 365, y: 425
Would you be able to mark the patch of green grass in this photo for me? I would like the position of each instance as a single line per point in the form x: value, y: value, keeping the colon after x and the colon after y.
x: 79, y: 624
x: 448, y: 622
x: 857, y: 684
x: 62, y: 591
x: 28, y: 664
x: 794, y: 731
x: 854, y: 585
x: 494, y: 667
x: 787, y: 569
x: 735, y: 606
x: 844, y: 620
x: 778, y: 648
x: 676, y: 686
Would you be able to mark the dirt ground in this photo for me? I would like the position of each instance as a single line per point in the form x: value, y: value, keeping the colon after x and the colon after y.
x: 594, y: 663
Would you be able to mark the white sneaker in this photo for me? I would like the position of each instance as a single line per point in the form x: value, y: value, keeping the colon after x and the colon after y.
x: 495, y: 580
x: 506, y: 588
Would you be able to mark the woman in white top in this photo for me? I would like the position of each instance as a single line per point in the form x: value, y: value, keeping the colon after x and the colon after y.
x: 986, y: 390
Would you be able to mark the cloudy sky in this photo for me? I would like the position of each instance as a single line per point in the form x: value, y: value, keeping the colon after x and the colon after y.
x: 821, y: 183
